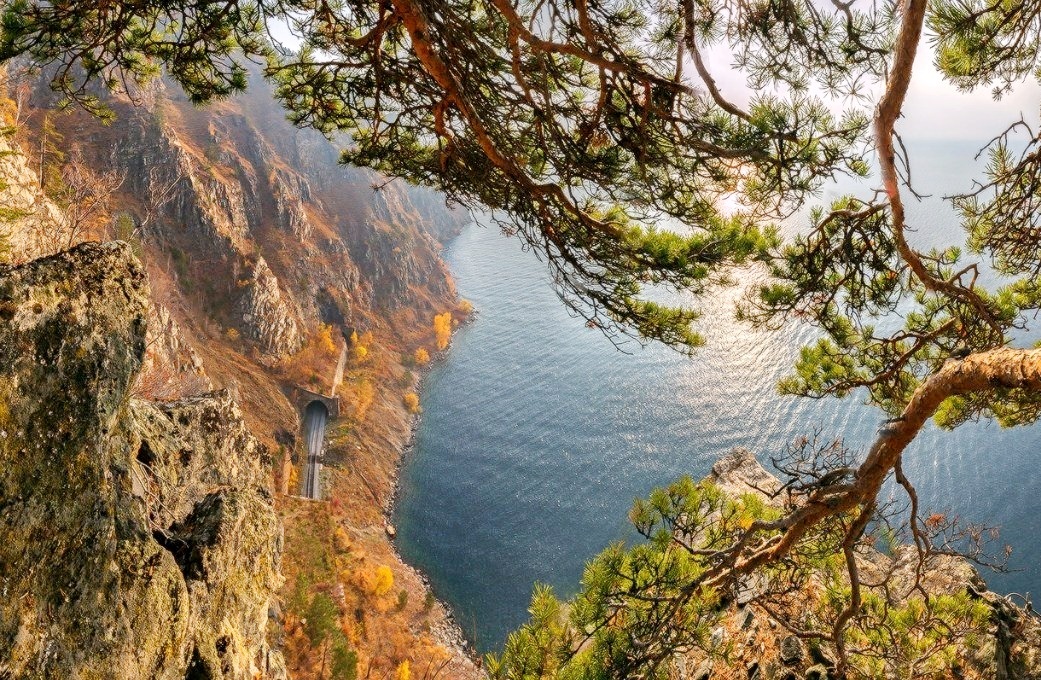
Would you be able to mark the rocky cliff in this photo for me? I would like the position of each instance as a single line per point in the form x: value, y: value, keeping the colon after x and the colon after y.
x: 139, y: 539
x: 258, y: 252
x: 260, y: 227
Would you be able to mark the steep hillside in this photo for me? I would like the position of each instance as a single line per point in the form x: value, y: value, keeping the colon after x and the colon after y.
x: 264, y: 258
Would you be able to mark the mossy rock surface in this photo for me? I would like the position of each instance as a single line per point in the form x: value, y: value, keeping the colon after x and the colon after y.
x: 93, y: 484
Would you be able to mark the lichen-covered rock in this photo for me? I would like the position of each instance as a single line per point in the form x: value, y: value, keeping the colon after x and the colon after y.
x: 190, y: 448
x: 101, y: 495
x: 227, y: 549
x: 738, y: 472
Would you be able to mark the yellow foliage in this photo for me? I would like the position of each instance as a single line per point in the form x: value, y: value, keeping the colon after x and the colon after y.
x: 354, y: 338
x: 422, y: 356
x: 466, y: 307
x: 324, y: 339
x: 383, y: 581
x: 358, y: 353
x: 411, y: 401
x: 364, y: 393
x: 8, y: 110
x: 317, y: 357
x: 341, y: 541
x: 443, y: 329
x: 404, y: 672
x: 232, y: 334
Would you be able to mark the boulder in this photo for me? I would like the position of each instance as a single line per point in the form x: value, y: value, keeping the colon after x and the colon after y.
x: 137, y: 537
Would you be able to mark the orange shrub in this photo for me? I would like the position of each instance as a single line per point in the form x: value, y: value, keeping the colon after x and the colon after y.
x: 317, y: 357
x: 411, y: 401
x: 382, y: 581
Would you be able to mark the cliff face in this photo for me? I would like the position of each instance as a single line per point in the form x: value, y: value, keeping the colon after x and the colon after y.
x: 26, y: 214
x: 258, y: 224
x: 138, y: 538
x: 157, y: 551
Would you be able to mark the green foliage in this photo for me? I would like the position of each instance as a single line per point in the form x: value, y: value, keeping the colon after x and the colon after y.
x: 984, y: 43
x: 181, y: 266
x: 124, y: 229
x: 322, y: 626
x: 301, y: 597
x: 344, y: 661
x: 642, y: 605
x: 638, y: 605
x: 202, y: 44
x: 582, y: 150
x: 322, y: 618
x: 924, y: 637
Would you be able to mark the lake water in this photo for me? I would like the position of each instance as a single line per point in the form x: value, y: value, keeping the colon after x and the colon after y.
x: 538, y: 433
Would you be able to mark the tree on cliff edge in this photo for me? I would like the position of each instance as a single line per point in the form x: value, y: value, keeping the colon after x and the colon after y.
x: 583, y: 124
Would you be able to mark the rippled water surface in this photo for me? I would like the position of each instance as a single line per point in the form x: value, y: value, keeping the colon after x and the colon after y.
x: 537, y: 433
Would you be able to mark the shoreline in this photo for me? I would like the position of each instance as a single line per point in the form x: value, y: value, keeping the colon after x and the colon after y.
x: 451, y: 635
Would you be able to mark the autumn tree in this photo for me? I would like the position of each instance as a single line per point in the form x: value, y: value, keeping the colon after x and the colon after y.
x: 411, y: 402
x: 359, y: 348
x: 362, y: 394
x: 596, y: 132
x: 84, y: 197
x: 317, y: 358
x: 443, y: 329
x: 382, y: 581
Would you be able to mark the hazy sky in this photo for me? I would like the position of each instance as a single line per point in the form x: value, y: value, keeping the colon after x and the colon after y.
x: 934, y: 109
x: 937, y: 110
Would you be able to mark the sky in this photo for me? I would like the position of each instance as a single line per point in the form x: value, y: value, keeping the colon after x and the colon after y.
x: 934, y: 110
x: 937, y: 110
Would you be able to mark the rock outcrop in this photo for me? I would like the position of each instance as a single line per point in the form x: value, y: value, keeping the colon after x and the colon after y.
x: 171, y: 367
x: 138, y: 538
x: 265, y: 315
x: 750, y: 644
x: 29, y: 220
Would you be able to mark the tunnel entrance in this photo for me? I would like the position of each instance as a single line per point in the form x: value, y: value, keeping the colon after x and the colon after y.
x: 316, y: 417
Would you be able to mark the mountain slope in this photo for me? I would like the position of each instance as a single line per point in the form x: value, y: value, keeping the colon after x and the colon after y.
x: 264, y: 257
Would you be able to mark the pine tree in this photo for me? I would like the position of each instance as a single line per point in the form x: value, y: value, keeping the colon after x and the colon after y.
x: 596, y: 133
